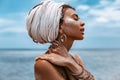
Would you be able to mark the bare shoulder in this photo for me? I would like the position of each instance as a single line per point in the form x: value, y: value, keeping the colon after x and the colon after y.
x: 44, y: 70
x: 42, y: 65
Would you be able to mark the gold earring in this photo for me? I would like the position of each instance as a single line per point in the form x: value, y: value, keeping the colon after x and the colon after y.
x: 63, y: 38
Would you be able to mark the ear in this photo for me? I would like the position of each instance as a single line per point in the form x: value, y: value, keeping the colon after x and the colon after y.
x: 60, y: 30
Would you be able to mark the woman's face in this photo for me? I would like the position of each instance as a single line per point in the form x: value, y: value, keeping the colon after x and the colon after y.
x: 72, y: 26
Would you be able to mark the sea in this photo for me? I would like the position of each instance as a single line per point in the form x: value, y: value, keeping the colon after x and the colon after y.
x: 19, y: 64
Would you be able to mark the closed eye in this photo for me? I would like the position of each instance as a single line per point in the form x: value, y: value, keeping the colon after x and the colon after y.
x: 75, y: 17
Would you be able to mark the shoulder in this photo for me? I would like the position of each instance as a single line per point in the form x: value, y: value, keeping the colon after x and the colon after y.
x: 44, y: 70
x: 43, y: 66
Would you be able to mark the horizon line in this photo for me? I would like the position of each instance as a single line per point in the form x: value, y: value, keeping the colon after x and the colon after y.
x: 22, y: 49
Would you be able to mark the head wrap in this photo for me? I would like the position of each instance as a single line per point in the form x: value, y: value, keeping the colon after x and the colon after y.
x: 43, y: 21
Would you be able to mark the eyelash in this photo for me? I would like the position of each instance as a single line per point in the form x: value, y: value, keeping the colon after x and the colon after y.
x: 76, y: 19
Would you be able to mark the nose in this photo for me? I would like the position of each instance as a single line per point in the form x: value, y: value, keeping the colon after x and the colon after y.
x: 82, y: 23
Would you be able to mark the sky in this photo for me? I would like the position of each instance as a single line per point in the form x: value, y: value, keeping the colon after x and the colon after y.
x: 101, y: 17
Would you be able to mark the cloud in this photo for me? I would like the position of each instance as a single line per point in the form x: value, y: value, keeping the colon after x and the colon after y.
x: 104, y: 2
x: 12, y: 30
x: 13, y: 23
x: 101, y: 20
x: 110, y: 13
x: 83, y: 7
x: 4, y: 21
x: 107, y: 13
x: 63, y: 1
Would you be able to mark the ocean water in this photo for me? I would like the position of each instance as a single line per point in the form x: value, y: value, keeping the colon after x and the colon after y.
x: 19, y: 64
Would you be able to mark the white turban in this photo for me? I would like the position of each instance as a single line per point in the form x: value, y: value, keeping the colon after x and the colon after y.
x: 43, y: 21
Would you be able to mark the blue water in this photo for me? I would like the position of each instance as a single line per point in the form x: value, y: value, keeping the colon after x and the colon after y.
x: 19, y: 64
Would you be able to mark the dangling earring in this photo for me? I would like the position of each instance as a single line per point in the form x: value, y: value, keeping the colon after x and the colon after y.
x: 63, y: 38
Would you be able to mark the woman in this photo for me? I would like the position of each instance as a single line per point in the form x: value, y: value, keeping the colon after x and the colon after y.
x: 58, y: 24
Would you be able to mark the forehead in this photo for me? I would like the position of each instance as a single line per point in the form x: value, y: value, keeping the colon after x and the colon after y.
x: 69, y: 12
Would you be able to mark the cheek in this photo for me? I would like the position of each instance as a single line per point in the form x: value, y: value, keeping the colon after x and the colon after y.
x: 70, y: 22
x: 71, y: 27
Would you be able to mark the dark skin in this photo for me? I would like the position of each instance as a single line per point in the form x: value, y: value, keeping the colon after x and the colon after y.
x: 73, y: 28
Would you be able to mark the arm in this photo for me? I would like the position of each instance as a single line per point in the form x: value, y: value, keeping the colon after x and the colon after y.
x: 77, y: 70
x: 78, y: 59
x: 46, y: 71
x: 82, y: 73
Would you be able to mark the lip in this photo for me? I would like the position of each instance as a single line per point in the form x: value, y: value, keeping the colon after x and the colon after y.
x: 82, y: 31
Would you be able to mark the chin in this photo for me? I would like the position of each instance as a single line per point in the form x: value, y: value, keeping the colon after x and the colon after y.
x: 81, y: 38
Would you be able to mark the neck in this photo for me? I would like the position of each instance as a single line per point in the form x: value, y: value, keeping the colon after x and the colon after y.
x: 68, y: 44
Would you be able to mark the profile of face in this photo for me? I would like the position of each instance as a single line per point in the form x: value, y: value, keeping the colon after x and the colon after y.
x: 72, y: 26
